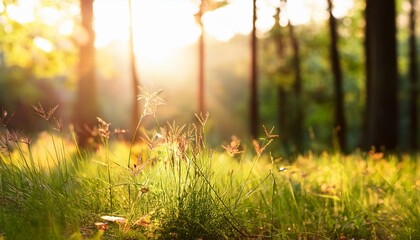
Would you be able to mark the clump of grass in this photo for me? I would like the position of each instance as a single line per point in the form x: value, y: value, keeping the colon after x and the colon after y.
x: 33, y: 193
x: 193, y: 208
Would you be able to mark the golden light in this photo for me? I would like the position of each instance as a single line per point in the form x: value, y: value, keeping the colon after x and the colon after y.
x: 229, y: 20
x: 66, y: 28
x: 108, y: 28
x: 50, y: 16
x: 23, y: 12
x: 161, y: 27
x: 43, y: 44
x: 158, y: 28
x: 2, y: 7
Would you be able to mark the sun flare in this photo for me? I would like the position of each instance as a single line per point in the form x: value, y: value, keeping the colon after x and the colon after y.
x: 157, y: 30
x: 160, y: 27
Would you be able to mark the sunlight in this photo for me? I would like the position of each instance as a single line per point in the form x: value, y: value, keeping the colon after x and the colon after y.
x: 236, y: 17
x: 66, y: 28
x: 162, y: 30
x: 159, y: 30
x: 108, y: 28
x: 43, y: 44
x: 226, y: 22
x: 22, y: 12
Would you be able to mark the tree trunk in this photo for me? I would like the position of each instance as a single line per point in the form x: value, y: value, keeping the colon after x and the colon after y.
x: 201, y: 60
x: 135, y: 82
x: 253, y: 118
x: 381, y: 57
x: 297, y: 88
x: 340, y: 126
x: 281, y: 91
x: 85, y: 107
x: 413, y: 79
x: 282, y: 105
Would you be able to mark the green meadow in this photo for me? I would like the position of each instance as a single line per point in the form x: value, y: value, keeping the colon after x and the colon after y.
x: 174, y: 185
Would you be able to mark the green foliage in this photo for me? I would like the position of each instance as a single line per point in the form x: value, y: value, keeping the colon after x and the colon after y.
x: 26, y: 54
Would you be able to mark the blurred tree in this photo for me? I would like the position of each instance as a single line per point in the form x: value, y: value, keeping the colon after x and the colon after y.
x: 278, y: 36
x: 204, y: 6
x: 85, y: 106
x: 253, y: 105
x: 413, y: 76
x: 290, y: 110
x: 339, y: 118
x: 35, y: 43
x: 201, y: 57
x: 37, y: 59
x: 135, y: 81
x: 381, y: 74
x: 297, y: 88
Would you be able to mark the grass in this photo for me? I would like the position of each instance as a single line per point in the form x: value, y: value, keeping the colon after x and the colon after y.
x: 175, y: 186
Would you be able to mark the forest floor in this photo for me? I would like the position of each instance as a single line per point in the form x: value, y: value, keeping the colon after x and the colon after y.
x: 174, y: 186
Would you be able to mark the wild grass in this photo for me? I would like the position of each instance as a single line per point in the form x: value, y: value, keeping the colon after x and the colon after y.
x: 174, y: 185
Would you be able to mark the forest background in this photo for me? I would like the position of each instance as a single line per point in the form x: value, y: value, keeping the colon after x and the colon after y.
x: 288, y: 80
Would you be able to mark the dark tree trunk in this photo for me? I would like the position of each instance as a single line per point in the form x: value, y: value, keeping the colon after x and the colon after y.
x: 381, y: 57
x: 85, y: 107
x: 282, y: 105
x: 340, y: 126
x: 281, y: 91
x: 135, y: 82
x: 253, y: 113
x: 413, y: 79
x: 297, y: 88
x: 201, y: 60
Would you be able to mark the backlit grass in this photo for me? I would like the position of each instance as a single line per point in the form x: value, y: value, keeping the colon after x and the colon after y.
x: 175, y: 186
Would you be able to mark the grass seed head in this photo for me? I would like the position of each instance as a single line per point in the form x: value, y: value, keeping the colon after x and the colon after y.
x: 4, y: 144
x: 151, y: 100
x: 269, y: 134
x: 58, y: 122
x: 233, y: 148
x: 202, y: 118
x: 103, y: 128
x: 43, y: 113
x: 17, y: 136
x: 5, y: 118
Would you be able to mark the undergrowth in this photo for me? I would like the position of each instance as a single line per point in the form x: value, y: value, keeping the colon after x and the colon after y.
x: 173, y: 185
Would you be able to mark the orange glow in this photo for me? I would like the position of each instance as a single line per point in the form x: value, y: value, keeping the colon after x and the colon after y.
x: 161, y: 26
x: 158, y: 29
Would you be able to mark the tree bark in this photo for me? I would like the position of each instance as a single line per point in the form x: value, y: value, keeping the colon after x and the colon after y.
x: 413, y: 78
x: 135, y: 81
x: 282, y: 105
x: 297, y: 88
x: 340, y: 126
x: 253, y: 113
x: 85, y: 107
x: 381, y: 57
x: 201, y: 60
x: 281, y: 91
